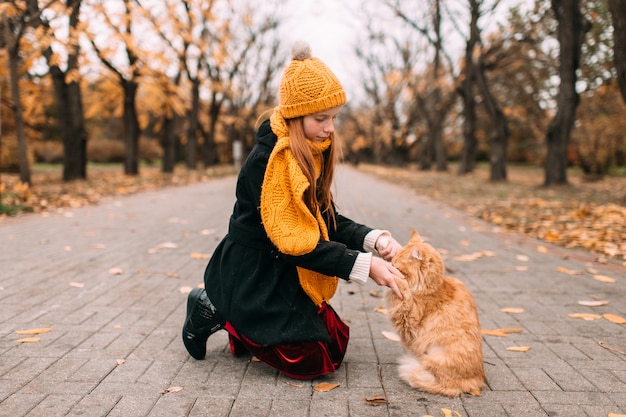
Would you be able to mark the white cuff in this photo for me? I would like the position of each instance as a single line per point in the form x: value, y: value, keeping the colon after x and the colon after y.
x: 369, y: 244
x: 361, y: 269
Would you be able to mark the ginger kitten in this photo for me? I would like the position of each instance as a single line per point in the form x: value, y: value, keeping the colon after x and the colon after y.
x: 437, y: 323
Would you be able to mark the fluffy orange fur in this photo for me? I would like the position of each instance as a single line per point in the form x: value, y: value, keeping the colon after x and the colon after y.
x: 437, y: 323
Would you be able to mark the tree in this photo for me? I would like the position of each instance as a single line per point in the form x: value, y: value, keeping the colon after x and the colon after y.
x: 17, y: 18
x: 127, y: 77
x: 618, y: 13
x: 572, y: 28
x: 68, y: 94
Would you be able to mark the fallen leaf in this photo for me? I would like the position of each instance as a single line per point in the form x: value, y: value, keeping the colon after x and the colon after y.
x: 185, y: 290
x: 488, y: 253
x: 542, y: 249
x: 120, y: 361
x: 597, y: 303
x: 293, y: 384
x: 375, y: 293
x: 198, y: 255
x: 615, y: 319
x: 167, y: 245
x: 325, y: 387
x: 465, y: 243
x: 518, y: 348
x: 171, y: 389
x: 512, y: 310
x: 500, y: 332
x: 521, y: 268
x: 381, y: 310
x: 592, y: 271
x: 611, y: 348
x: 77, y: 284
x: 567, y: 271
x: 28, y: 340
x: 616, y: 415
x: 34, y: 331
x: 173, y: 275
x: 604, y: 278
x: 376, y: 401
x: 98, y: 246
x: 450, y: 413
x: 584, y: 316
x: 117, y: 326
x: 391, y: 335
x: 206, y: 232
x: 67, y: 248
x: 116, y: 271
x: 522, y: 258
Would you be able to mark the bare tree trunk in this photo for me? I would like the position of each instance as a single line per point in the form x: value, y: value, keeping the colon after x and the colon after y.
x: 22, y: 140
x: 618, y: 13
x: 470, y: 143
x: 571, y: 33
x: 131, y: 128
x: 191, y: 157
x: 168, y: 143
x: 500, y: 134
x: 209, y: 156
x: 70, y: 107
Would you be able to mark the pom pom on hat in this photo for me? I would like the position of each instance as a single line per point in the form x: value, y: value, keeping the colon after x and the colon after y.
x: 300, y: 51
x: 308, y: 86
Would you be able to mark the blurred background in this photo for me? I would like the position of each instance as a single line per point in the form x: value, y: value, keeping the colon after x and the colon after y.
x: 430, y: 83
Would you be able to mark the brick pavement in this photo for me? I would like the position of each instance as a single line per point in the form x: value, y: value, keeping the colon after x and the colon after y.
x: 115, y: 348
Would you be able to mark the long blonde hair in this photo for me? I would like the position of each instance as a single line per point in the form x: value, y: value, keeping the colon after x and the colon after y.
x: 319, y: 192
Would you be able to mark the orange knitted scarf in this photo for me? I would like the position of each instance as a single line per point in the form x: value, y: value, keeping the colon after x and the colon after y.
x: 288, y: 222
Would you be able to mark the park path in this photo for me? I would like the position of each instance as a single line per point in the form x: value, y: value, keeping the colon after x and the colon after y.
x: 109, y: 281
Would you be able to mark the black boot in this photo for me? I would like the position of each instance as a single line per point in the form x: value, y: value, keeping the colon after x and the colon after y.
x: 201, y: 322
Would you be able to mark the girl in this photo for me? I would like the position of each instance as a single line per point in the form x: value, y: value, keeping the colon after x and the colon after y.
x: 270, y: 279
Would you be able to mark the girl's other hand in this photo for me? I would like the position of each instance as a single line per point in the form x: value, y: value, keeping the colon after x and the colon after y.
x: 385, y: 274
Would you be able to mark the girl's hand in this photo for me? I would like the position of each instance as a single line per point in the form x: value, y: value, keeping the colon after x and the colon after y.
x: 385, y: 274
x: 387, y: 247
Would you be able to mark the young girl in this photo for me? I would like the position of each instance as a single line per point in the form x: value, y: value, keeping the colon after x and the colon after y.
x: 270, y: 280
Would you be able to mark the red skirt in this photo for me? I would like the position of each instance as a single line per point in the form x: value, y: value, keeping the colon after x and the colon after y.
x: 306, y: 360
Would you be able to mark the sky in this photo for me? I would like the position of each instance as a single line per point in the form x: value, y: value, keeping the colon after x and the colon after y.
x: 332, y: 28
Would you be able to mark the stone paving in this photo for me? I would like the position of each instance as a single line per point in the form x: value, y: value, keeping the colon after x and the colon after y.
x: 109, y: 281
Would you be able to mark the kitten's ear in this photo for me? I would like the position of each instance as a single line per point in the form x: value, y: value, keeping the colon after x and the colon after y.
x: 415, y: 253
x: 415, y: 237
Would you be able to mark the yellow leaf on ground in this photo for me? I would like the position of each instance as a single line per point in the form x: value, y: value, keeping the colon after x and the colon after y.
x: 616, y: 415
x: 325, y: 387
x: 604, y: 278
x: 185, y: 290
x: 584, y: 316
x: 116, y: 271
x: 171, y: 389
x: 120, y: 361
x: 198, y: 255
x: 522, y: 258
x: 542, y: 249
x: 377, y: 400
x: 518, y: 348
x: 512, y: 310
x: 391, y: 336
x: 500, y: 332
x: 375, y: 293
x: 77, y: 285
x: 28, y: 340
x: 450, y: 413
x: 567, y: 271
x: 594, y: 303
x: 615, y: 319
x: 34, y: 331
x: 381, y: 310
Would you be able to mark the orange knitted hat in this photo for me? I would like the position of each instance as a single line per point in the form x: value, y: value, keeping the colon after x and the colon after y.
x: 308, y: 86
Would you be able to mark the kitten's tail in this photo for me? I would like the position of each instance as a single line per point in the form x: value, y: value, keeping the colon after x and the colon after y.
x: 416, y: 375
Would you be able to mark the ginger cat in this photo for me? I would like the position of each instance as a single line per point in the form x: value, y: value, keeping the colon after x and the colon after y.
x: 437, y: 323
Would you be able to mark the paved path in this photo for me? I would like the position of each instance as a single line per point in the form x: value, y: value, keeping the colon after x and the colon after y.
x: 115, y: 348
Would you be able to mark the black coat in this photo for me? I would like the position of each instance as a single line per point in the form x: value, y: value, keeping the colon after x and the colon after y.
x: 252, y: 284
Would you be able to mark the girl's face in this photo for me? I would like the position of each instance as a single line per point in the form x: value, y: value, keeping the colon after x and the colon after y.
x: 318, y: 126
